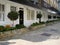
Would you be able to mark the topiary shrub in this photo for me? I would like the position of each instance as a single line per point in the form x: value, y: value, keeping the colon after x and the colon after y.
x: 39, y: 15
x: 13, y: 16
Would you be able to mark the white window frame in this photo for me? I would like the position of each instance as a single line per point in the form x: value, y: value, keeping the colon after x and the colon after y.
x: 13, y: 8
x: 30, y: 14
x: 2, y: 12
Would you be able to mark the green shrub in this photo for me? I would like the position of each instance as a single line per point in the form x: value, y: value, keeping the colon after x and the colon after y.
x: 35, y: 24
x: 51, y: 21
x: 48, y: 21
x: 19, y: 26
x: 42, y: 23
x: 1, y: 28
x: 8, y: 29
x: 13, y: 15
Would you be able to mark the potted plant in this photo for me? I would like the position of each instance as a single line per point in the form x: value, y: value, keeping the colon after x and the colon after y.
x: 13, y: 15
x: 39, y: 15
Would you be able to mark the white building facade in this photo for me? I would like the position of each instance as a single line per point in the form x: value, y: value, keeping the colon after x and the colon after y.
x: 29, y: 13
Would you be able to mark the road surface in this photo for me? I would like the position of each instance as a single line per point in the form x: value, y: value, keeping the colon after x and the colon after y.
x: 49, y: 35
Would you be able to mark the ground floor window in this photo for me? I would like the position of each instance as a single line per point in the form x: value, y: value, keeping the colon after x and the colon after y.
x: 2, y: 10
x: 2, y: 17
x: 30, y: 14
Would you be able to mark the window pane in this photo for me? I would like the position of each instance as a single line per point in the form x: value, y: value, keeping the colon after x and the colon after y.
x: 2, y: 12
x: 3, y: 17
x: 28, y: 14
x: 2, y: 7
x: 13, y: 8
x: 0, y: 16
x: 32, y: 14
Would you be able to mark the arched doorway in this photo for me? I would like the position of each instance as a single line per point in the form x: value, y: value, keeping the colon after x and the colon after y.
x: 21, y: 16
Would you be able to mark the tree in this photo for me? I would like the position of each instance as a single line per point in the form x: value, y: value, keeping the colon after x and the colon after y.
x: 39, y: 15
x: 13, y: 15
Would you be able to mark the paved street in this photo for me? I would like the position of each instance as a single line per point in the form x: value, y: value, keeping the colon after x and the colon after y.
x: 49, y: 35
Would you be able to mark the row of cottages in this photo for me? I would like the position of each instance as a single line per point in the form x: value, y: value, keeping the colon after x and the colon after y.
x: 28, y: 12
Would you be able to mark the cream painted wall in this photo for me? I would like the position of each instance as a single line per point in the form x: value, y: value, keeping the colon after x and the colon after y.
x: 17, y: 5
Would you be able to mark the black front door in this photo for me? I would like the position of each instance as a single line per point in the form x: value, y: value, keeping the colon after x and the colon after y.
x: 21, y: 17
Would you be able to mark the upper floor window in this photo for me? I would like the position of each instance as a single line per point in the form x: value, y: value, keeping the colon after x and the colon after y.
x: 13, y: 8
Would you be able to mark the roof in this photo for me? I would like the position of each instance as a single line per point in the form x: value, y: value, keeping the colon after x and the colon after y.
x: 26, y: 2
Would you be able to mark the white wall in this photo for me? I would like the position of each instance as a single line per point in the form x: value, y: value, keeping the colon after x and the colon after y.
x: 7, y: 10
x: 45, y: 16
x: 26, y: 22
x: 29, y: 22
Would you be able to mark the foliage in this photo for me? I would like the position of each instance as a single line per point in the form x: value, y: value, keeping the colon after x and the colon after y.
x: 19, y: 26
x: 1, y: 28
x: 42, y: 22
x: 13, y: 15
x: 51, y: 21
x: 8, y: 28
x: 39, y: 15
x: 35, y: 24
